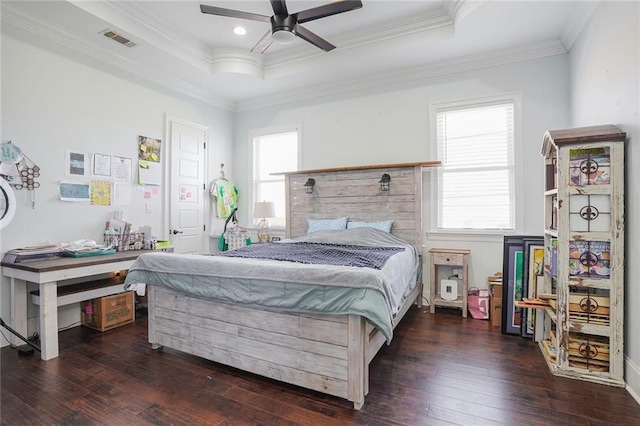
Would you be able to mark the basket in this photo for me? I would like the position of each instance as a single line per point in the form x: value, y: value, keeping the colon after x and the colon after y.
x: 125, y: 241
x: 236, y: 238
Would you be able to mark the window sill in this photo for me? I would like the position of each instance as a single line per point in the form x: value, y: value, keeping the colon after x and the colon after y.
x: 466, y: 236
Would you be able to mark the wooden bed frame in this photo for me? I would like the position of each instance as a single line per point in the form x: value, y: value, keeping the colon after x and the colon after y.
x: 326, y: 353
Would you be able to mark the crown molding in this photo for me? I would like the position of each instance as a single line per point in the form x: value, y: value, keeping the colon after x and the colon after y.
x: 443, y: 20
x: 468, y: 63
x: 577, y: 22
x: 59, y: 36
x: 152, y: 30
x: 389, y: 31
x: 48, y: 33
x: 234, y: 60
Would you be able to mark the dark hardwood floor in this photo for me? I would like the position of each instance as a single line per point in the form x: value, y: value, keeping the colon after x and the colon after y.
x: 440, y: 369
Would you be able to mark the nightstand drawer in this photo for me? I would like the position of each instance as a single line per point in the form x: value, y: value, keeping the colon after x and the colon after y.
x: 448, y: 259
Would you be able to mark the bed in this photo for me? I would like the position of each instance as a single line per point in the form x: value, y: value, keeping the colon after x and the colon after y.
x: 301, y: 322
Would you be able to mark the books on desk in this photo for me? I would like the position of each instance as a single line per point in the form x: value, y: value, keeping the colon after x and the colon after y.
x: 32, y: 253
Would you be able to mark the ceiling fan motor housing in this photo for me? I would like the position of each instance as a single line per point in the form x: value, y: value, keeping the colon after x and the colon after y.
x: 283, y: 23
x: 283, y: 28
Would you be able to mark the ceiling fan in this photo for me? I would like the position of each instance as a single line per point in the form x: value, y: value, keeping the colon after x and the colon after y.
x: 284, y: 26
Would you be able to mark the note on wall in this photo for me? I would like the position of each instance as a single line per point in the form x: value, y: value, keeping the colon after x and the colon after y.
x: 121, y: 168
x: 101, y: 165
x: 149, y: 173
x: 122, y: 194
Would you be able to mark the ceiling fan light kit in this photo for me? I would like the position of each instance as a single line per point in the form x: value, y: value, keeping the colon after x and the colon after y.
x: 286, y: 27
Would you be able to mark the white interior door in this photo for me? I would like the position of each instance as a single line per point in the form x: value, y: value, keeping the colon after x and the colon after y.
x: 187, y: 186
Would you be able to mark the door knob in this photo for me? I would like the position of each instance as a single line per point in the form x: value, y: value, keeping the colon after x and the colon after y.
x: 175, y: 231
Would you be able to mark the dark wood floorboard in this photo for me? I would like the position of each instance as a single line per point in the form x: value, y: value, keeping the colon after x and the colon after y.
x: 439, y: 370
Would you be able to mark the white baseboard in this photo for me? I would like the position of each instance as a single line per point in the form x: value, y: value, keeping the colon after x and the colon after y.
x: 632, y: 378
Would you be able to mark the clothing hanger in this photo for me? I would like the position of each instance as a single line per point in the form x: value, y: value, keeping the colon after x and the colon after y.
x: 222, y: 177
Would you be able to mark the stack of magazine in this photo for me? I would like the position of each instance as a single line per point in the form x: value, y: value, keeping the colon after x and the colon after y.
x: 32, y: 253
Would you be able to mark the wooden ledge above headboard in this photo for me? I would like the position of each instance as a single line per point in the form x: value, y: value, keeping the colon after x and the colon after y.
x: 366, y: 167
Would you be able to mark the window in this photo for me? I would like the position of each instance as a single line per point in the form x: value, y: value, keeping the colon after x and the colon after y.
x: 476, y: 183
x: 274, y: 151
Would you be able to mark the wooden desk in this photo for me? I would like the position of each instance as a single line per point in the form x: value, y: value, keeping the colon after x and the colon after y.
x: 47, y: 274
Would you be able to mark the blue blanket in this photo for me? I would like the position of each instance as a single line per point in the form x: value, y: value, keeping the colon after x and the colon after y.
x: 317, y: 253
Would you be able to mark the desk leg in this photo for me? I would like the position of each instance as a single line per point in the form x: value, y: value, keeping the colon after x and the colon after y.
x: 49, y: 320
x: 18, y: 310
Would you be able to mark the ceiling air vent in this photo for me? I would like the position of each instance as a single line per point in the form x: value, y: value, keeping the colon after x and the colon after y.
x: 117, y: 37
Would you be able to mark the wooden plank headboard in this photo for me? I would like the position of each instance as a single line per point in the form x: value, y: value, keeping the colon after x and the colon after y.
x: 355, y: 192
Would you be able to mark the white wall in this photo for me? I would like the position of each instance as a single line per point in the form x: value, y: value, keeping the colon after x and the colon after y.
x: 605, y: 89
x: 391, y: 125
x: 50, y: 103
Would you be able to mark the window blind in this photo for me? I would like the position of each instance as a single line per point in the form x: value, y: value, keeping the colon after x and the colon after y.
x: 476, y: 180
x: 273, y: 153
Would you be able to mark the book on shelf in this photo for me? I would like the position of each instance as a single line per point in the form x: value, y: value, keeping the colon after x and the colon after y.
x: 552, y: 250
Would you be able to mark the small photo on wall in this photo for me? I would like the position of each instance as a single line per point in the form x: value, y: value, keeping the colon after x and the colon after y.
x: 77, y: 163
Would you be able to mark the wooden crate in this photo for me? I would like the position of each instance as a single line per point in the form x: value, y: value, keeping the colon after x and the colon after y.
x: 109, y: 312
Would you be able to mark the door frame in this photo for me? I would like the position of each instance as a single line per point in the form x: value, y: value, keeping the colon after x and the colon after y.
x: 166, y: 181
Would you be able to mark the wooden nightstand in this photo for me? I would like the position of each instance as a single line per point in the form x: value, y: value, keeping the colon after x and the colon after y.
x: 450, y: 258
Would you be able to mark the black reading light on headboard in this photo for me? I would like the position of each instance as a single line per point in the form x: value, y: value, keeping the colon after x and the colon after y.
x: 385, y: 182
x: 308, y: 186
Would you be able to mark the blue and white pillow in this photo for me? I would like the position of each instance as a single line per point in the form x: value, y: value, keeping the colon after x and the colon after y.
x: 384, y: 225
x: 315, y: 225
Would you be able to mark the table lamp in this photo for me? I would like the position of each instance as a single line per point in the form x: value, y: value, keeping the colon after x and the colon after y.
x: 264, y: 209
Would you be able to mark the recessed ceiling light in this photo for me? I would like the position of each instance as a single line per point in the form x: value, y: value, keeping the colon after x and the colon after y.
x: 239, y: 30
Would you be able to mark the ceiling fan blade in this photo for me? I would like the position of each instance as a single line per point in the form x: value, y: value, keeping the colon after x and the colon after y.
x: 327, y: 10
x: 279, y: 7
x: 263, y: 44
x: 314, y: 39
x: 212, y: 10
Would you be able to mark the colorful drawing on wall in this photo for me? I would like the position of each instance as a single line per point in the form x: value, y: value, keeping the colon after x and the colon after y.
x: 149, y: 149
x: 100, y: 193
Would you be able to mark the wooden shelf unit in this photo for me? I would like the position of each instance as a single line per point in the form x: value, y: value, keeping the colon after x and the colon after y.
x: 584, y: 253
x: 450, y: 258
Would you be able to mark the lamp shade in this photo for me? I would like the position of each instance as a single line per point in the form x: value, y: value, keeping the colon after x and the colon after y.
x: 264, y: 209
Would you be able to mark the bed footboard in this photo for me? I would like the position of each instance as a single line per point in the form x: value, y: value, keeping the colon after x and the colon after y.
x: 311, y: 351
x: 326, y: 353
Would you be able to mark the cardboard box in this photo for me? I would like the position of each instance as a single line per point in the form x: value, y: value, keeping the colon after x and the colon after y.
x: 496, y: 304
x: 108, y: 312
